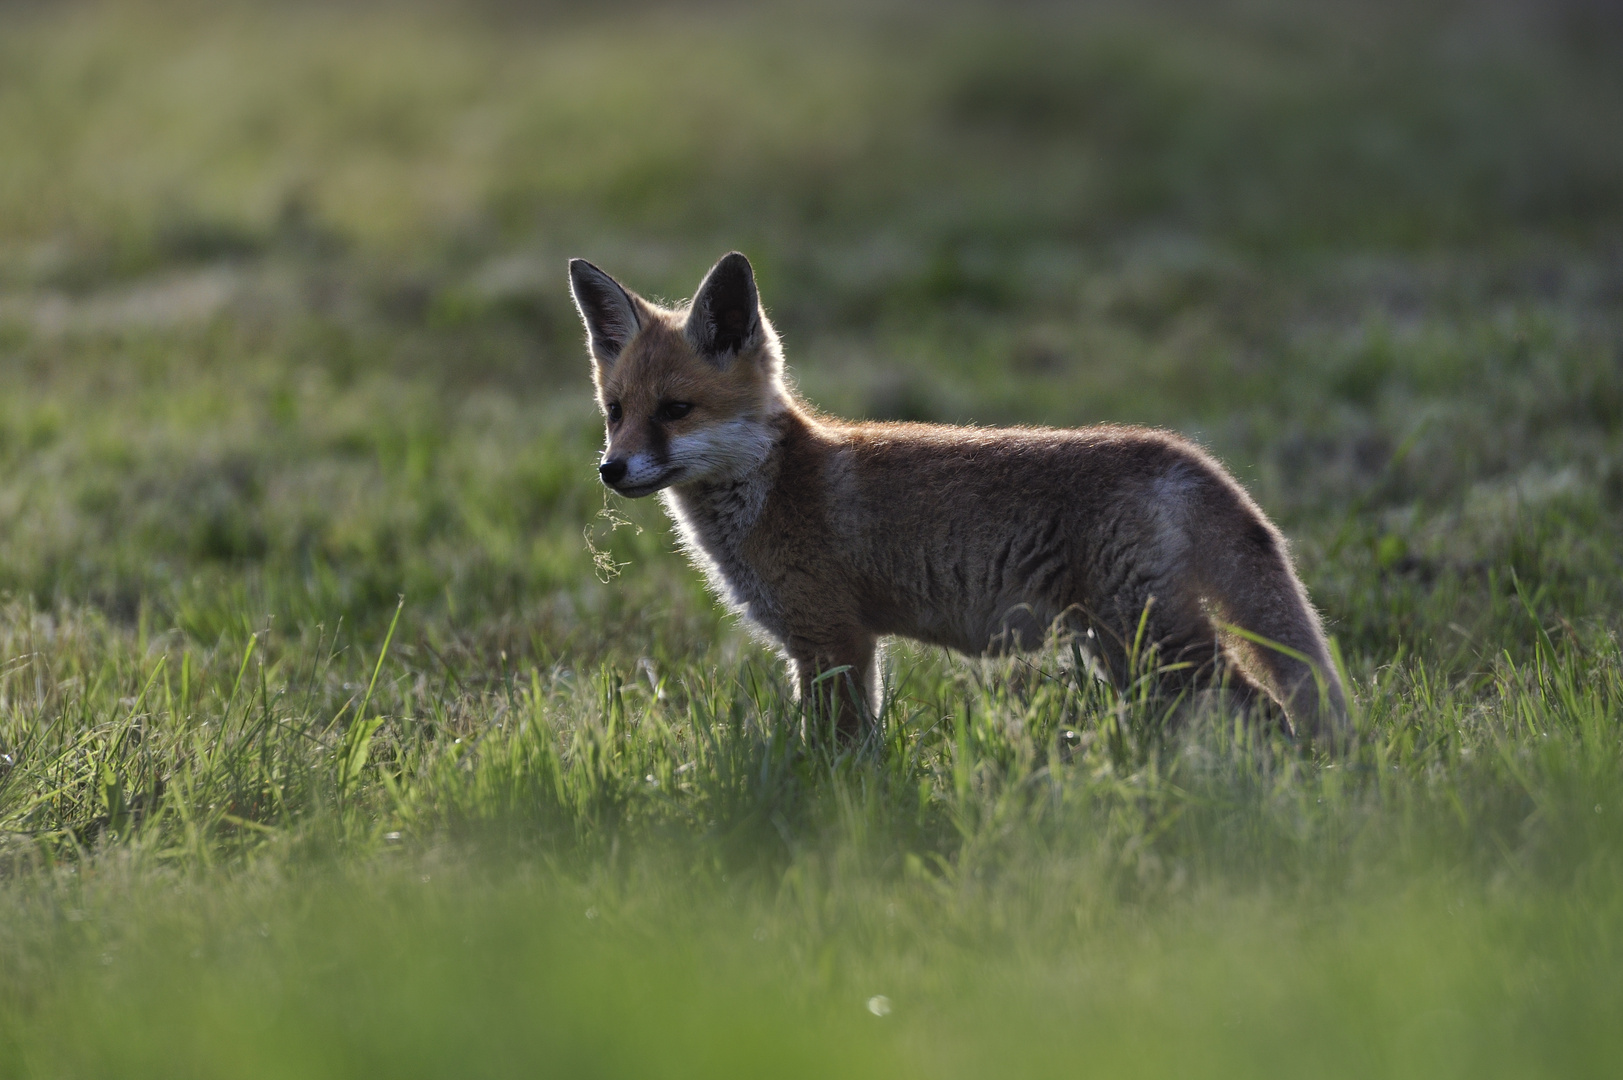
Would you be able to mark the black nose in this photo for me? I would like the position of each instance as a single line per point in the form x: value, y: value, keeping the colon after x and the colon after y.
x: 612, y: 472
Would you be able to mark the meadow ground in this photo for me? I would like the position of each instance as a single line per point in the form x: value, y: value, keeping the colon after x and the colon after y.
x: 347, y: 728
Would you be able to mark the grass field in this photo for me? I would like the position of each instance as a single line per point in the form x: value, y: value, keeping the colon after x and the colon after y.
x: 347, y: 728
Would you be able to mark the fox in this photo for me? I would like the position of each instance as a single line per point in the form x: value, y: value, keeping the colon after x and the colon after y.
x: 830, y: 535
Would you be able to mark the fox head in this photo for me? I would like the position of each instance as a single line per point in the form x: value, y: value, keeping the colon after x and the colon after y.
x: 687, y: 394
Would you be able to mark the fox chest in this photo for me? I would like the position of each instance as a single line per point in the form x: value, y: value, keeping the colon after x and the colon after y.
x: 715, y: 525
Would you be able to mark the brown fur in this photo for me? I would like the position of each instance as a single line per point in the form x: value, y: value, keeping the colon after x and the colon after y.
x: 831, y: 534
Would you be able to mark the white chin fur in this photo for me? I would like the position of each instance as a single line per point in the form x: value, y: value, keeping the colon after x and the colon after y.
x: 724, y: 451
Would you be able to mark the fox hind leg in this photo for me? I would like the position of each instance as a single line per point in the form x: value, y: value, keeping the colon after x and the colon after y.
x: 1181, y: 650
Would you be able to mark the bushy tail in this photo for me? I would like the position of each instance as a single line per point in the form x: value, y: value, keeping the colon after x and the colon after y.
x: 1269, y: 623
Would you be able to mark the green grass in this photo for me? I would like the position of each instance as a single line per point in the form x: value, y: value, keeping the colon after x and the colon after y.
x: 349, y: 729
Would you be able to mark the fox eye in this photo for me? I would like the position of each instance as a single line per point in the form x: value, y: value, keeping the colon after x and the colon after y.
x: 613, y: 409
x: 675, y: 410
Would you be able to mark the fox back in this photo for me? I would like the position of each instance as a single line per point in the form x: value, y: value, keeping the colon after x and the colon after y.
x: 830, y: 535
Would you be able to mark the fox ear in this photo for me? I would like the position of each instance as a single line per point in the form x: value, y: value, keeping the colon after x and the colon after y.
x: 609, y: 312
x: 725, y: 319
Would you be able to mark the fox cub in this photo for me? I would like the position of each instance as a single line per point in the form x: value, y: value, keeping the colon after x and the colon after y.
x: 830, y: 534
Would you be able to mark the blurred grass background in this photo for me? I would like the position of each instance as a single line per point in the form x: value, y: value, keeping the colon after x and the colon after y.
x: 284, y: 337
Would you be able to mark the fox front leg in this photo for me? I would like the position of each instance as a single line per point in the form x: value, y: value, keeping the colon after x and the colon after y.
x: 837, y: 688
